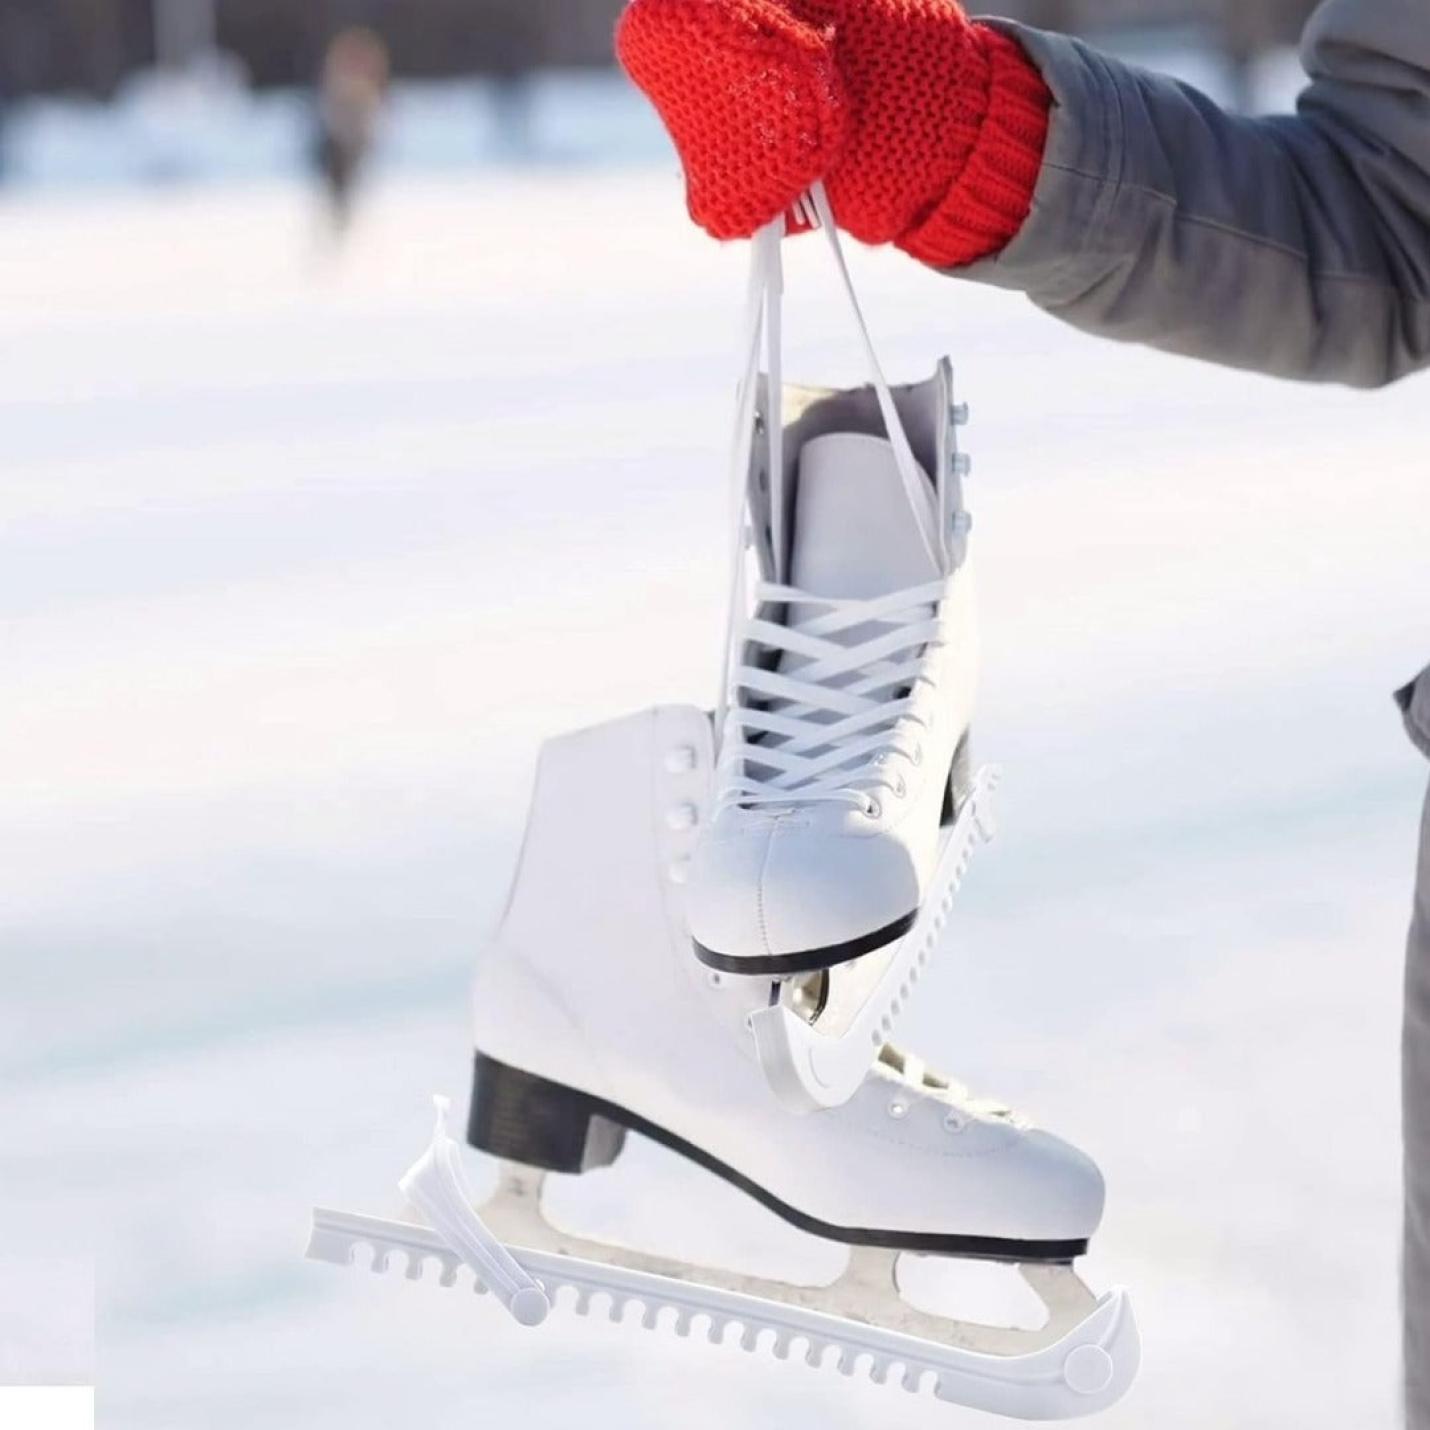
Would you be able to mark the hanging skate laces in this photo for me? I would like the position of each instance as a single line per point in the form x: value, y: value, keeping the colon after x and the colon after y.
x: 963, y: 1104
x: 818, y: 706
x: 828, y: 712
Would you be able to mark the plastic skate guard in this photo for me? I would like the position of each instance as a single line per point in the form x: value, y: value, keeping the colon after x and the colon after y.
x: 1085, y: 1370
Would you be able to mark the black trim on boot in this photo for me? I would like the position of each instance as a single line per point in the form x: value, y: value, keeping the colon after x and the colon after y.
x: 780, y: 965
x: 522, y: 1117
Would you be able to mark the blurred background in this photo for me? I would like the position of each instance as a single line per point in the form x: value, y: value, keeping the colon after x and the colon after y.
x: 363, y: 398
x: 188, y: 89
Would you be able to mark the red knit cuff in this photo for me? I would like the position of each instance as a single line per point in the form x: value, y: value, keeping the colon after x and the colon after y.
x: 987, y: 203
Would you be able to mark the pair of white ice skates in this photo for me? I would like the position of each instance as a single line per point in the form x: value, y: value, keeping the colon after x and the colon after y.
x: 809, y: 842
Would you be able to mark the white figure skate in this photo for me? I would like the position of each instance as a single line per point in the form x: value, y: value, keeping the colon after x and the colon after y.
x: 592, y: 1020
x: 850, y: 676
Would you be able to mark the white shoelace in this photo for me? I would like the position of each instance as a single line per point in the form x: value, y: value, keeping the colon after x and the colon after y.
x: 817, y: 718
x: 832, y: 726
x: 965, y: 1104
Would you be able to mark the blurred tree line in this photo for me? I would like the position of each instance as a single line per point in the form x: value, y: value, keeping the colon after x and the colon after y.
x: 90, y: 45
x: 1243, y: 28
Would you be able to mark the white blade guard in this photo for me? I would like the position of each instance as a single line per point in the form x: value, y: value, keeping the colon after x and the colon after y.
x: 436, y: 1188
x: 809, y: 1066
x: 1087, y: 1363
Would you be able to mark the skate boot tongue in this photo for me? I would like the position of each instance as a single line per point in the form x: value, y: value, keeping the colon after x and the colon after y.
x: 855, y: 538
x: 855, y: 534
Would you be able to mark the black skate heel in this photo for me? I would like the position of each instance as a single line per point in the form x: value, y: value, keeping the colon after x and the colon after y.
x: 523, y: 1118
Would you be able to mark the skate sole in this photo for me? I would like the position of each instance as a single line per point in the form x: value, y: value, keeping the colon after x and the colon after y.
x: 813, y: 960
x: 522, y: 1117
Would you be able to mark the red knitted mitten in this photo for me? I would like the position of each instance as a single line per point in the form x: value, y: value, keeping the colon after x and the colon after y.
x: 927, y: 129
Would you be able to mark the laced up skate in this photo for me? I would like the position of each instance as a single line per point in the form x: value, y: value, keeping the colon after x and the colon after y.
x: 850, y: 666
x: 592, y: 1022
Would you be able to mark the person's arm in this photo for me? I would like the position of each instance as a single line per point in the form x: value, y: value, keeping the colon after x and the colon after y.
x: 1298, y: 246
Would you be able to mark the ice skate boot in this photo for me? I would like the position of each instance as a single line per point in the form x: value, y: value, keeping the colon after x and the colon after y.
x: 843, y: 739
x: 592, y: 1022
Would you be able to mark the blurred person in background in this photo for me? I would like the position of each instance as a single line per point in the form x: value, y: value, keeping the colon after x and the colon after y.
x: 513, y: 37
x: 1120, y: 201
x: 352, y: 92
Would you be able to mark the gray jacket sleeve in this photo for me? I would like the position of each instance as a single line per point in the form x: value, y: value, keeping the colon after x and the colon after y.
x: 1295, y: 245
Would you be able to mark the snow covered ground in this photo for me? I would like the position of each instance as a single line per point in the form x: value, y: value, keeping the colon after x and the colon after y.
x: 300, y: 558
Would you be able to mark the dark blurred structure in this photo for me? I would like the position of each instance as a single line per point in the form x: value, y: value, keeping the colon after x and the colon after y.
x: 83, y: 45
x: 90, y: 45
x: 1268, y: 21
x: 1241, y: 29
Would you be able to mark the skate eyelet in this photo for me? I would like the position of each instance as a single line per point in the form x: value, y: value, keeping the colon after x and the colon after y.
x: 873, y: 809
x: 898, y: 1109
x: 680, y: 760
x: 683, y: 816
x: 954, y: 1122
x: 900, y: 788
x: 918, y: 755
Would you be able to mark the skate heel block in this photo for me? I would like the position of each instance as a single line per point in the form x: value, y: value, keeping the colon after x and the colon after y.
x: 520, y: 1117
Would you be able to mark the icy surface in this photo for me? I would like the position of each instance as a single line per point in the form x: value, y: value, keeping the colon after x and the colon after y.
x: 301, y: 559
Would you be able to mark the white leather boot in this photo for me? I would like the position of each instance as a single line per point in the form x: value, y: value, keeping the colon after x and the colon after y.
x: 843, y: 759
x: 592, y: 1019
